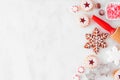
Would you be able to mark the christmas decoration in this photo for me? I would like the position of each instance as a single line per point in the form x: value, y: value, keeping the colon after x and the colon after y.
x: 93, y: 68
x: 96, y: 40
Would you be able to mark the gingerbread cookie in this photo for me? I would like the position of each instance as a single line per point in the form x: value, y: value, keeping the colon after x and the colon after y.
x: 96, y: 40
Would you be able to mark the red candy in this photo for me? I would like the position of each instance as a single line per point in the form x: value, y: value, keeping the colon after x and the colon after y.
x: 98, y: 5
x: 101, y: 12
x: 113, y: 11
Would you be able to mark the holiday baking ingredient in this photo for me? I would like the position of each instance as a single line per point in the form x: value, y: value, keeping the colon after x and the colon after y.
x: 113, y: 11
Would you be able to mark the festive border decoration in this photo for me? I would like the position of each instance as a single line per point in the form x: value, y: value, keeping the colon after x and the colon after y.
x: 101, y: 70
x: 92, y: 68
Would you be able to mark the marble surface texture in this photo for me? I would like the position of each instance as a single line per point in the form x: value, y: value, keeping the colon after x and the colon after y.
x: 41, y: 40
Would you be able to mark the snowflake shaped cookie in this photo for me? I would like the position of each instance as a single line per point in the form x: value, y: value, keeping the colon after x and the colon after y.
x: 96, y: 40
x: 114, y: 55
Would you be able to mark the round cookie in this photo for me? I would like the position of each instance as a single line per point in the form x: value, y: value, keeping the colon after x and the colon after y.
x: 91, y: 61
x: 84, y: 20
x: 117, y: 75
x: 86, y: 5
x: 75, y: 8
x: 81, y: 69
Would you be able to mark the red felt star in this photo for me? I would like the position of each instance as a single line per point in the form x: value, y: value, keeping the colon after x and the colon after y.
x: 96, y: 40
x: 91, y: 62
x: 82, y: 20
x: 86, y: 4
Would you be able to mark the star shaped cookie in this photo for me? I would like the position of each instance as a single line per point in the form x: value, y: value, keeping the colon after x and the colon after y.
x: 96, y: 40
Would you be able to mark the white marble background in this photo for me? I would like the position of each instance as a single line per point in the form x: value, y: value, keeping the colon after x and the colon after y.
x: 41, y: 40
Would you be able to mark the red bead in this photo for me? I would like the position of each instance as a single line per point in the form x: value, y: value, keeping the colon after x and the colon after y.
x: 98, y: 5
x: 101, y: 12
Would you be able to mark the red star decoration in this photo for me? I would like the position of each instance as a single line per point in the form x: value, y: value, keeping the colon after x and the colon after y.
x: 91, y: 62
x: 82, y: 20
x: 96, y: 40
x: 86, y: 4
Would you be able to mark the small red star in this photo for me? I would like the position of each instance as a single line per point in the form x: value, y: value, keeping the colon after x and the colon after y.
x: 82, y: 20
x: 119, y: 76
x: 91, y: 62
x: 86, y: 4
